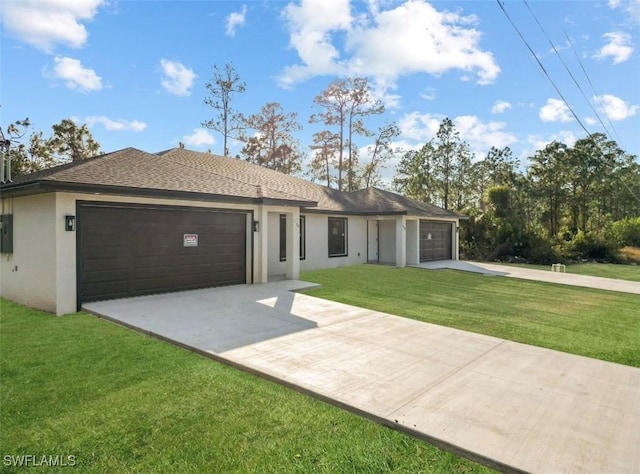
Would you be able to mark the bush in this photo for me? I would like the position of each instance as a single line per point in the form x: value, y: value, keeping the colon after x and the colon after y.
x: 592, y: 246
x: 543, y: 253
x: 626, y: 232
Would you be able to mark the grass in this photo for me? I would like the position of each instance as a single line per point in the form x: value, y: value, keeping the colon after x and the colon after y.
x: 119, y: 401
x: 606, y: 270
x: 593, y: 323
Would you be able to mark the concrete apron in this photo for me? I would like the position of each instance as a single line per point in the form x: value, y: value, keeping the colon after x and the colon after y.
x: 510, y: 406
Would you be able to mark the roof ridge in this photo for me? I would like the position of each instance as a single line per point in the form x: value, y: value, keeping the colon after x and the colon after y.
x: 49, y: 172
x: 262, y: 186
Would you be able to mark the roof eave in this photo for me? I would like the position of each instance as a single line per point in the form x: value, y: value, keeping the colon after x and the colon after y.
x: 44, y: 186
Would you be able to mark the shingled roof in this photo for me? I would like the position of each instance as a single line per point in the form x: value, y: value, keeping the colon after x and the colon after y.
x: 186, y: 174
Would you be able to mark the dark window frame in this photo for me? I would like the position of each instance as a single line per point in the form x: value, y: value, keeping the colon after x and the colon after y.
x: 283, y: 237
x: 345, y: 236
x: 303, y: 237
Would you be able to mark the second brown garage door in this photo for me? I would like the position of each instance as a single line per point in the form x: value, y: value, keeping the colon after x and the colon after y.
x: 131, y: 251
x: 435, y: 240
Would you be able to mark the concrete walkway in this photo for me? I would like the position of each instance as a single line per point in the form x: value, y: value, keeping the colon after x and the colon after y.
x: 508, y: 405
x: 610, y: 284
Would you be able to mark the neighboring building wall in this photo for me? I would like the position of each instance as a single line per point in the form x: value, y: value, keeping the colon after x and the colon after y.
x: 28, y: 275
x: 317, y: 242
x: 387, y: 237
x: 413, y: 241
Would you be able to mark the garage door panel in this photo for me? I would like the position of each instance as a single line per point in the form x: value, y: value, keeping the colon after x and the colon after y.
x: 435, y: 240
x: 111, y: 258
x: 104, y: 276
x: 127, y: 251
x: 199, y: 268
x: 192, y: 281
x: 160, y: 284
x: 106, y: 290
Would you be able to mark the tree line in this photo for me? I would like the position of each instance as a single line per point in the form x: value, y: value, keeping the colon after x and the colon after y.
x: 568, y: 203
x: 565, y: 202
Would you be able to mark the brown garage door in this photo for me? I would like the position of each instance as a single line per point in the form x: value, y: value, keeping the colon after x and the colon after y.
x: 435, y: 240
x: 131, y: 251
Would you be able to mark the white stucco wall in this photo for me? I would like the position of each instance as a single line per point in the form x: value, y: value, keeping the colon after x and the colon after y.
x: 317, y: 242
x: 387, y: 236
x: 276, y: 267
x: 28, y: 275
x: 413, y: 241
x: 41, y: 272
x: 45, y: 254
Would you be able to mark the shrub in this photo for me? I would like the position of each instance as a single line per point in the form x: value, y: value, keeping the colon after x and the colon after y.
x: 592, y: 246
x: 626, y: 232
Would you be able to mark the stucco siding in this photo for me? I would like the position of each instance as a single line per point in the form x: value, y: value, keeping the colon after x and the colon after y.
x: 387, y: 236
x: 317, y: 242
x: 276, y: 267
x: 28, y: 275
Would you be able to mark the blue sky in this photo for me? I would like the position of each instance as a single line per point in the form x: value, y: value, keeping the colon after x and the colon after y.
x: 135, y: 70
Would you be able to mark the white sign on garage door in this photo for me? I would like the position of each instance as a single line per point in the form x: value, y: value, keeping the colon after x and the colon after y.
x: 190, y: 240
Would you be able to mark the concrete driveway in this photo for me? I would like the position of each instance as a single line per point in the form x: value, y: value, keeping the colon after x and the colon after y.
x: 508, y: 405
x: 587, y: 281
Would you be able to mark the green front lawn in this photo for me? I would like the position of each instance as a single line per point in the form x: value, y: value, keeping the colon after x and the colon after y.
x: 119, y: 401
x: 593, y: 323
x: 605, y: 270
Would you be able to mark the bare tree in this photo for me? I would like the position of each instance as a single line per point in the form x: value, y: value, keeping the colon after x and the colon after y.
x: 273, y: 144
x: 345, y: 103
x: 224, y: 83
x: 325, y: 147
x: 381, y: 153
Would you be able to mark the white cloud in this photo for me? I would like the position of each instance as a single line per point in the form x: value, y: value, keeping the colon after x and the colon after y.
x: 555, y: 111
x: 614, y: 107
x: 428, y: 94
x: 500, y: 107
x: 630, y: 7
x: 590, y: 120
x: 44, y: 24
x: 412, y: 37
x: 199, y: 137
x: 178, y: 79
x: 116, y: 125
x: 480, y: 135
x: 75, y: 75
x: 619, y: 47
x: 538, y: 142
x: 236, y: 19
x: 420, y: 127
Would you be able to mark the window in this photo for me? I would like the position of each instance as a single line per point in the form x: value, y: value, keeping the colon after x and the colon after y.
x: 337, y: 237
x: 283, y: 237
x: 303, y: 238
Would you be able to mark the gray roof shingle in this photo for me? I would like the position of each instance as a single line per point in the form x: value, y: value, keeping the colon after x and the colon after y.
x: 187, y: 172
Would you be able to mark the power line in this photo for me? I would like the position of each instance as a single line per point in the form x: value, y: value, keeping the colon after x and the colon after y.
x: 542, y: 67
x: 501, y: 5
x: 592, y: 87
x: 566, y: 67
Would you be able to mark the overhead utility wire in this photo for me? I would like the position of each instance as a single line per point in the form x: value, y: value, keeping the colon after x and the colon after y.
x: 501, y: 5
x: 565, y: 66
x: 593, y: 89
x: 542, y: 67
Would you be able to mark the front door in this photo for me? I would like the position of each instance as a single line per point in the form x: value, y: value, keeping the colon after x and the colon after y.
x: 372, y: 241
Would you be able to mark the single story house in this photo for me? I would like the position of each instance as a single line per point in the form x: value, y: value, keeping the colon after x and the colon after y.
x: 131, y: 223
